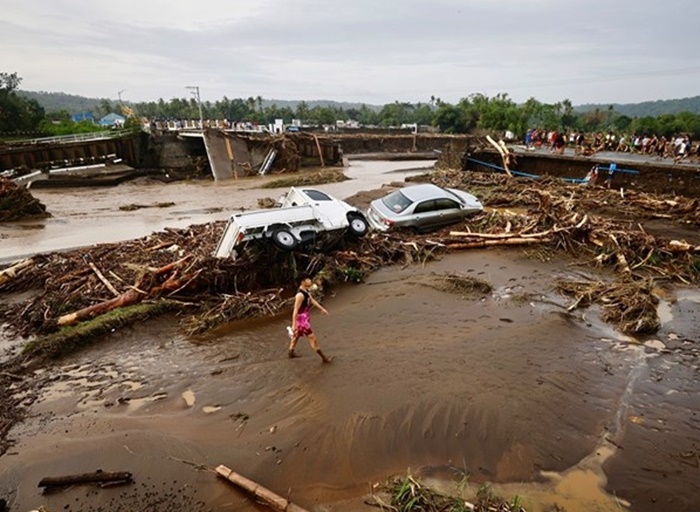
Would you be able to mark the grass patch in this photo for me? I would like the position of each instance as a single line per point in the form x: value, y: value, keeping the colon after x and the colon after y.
x: 308, y: 178
x: 408, y: 494
x: 73, y: 337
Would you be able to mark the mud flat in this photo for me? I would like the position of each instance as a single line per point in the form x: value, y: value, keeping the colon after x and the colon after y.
x: 504, y: 386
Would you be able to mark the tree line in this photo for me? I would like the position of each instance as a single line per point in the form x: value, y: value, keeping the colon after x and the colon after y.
x: 473, y: 113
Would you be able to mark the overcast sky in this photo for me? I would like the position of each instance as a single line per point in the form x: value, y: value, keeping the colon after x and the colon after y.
x: 371, y: 51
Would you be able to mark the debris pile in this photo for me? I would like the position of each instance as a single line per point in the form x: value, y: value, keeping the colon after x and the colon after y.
x: 602, y: 227
x: 18, y: 203
x: 629, y: 304
x: 90, y: 291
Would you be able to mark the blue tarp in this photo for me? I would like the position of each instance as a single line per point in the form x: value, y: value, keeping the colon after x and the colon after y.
x: 612, y: 169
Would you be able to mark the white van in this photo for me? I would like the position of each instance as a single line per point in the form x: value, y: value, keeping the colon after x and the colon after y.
x: 303, y: 213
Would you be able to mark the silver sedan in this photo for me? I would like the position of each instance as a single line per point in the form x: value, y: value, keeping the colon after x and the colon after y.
x: 422, y: 207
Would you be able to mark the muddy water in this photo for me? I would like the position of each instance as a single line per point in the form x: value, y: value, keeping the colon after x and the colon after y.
x: 504, y: 387
x: 85, y: 216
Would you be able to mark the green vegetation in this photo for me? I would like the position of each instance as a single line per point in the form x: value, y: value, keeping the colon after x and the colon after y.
x: 17, y: 114
x: 71, y: 338
x: 23, y: 111
x: 410, y: 495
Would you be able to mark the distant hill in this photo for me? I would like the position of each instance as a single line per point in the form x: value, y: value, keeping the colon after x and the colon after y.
x: 53, y: 101
x: 648, y: 108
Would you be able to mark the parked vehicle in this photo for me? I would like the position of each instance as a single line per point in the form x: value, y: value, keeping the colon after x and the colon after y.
x: 422, y: 207
x: 302, y: 214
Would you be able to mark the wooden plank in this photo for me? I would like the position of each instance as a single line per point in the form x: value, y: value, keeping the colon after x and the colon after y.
x: 271, y: 499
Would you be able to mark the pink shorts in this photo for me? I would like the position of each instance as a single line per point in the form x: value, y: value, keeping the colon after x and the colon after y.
x: 303, y: 325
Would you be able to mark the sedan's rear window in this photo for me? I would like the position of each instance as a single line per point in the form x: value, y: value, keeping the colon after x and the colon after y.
x: 396, y: 202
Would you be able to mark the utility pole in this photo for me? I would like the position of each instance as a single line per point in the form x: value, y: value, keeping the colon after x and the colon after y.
x: 195, y: 92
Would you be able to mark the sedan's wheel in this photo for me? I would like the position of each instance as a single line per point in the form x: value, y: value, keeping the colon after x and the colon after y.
x: 284, y: 239
x: 357, y: 225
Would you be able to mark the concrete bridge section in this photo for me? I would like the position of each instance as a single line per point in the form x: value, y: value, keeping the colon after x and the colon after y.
x: 652, y: 176
x: 45, y: 154
x: 226, y: 154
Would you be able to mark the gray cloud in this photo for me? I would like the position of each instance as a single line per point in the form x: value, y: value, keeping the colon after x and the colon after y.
x: 375, y: 52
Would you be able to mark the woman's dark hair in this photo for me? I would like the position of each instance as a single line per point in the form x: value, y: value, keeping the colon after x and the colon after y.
x: 303, y: 277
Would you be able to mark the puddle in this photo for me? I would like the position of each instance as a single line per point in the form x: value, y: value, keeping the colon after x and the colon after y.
x: 666, y: 307
x: 665, y: 312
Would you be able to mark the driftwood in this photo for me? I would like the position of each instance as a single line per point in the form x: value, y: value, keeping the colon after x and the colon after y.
x: 125, y: 299
x: 271, y: 499
x: 503, y: 241
x: 98, y: 477
x: 10, y: 273
x: 501, y: 151
x: 104, y: 280
x: 131, y: 296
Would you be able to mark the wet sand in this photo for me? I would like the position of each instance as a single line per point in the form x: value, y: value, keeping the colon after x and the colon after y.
x: 504, y: 387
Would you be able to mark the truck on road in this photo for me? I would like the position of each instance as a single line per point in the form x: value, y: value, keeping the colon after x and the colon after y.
x: 303, y: 214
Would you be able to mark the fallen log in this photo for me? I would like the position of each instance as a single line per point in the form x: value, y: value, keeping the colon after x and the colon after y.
x: 125, y: 299
x: 491, y: 236
x: 98, y: 477
x: 271, y: 499
x: 505, y: 241
x: 131, y: 296
x: 11, y: 272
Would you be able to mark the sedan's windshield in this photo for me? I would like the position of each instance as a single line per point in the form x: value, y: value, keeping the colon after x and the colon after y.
x: 396, y: 202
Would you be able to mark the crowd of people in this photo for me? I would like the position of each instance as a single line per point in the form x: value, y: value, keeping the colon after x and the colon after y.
x: 678, y: 147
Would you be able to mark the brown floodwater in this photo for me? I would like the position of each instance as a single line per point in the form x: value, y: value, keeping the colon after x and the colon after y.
x: 504, y: 387
x: 85, y: 216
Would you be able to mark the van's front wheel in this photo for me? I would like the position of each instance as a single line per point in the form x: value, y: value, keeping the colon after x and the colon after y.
x: 357, y: 225
x: 284, y: 239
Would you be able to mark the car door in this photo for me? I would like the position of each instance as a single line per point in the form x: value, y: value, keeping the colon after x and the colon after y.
x: 447, y: 212
x: 332, y: 211
x: 424, y: 215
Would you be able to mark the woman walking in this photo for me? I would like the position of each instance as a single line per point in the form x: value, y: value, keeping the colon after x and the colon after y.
x: 301, y: 318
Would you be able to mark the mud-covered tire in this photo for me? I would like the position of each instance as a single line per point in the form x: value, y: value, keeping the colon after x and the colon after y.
x: 357, y: 224
x: 284, y: 239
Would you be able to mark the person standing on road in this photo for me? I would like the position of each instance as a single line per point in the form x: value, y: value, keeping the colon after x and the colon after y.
x: 301, y: 318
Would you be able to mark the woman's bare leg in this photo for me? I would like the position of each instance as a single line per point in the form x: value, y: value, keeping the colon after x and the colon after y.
x: 313, y: 341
